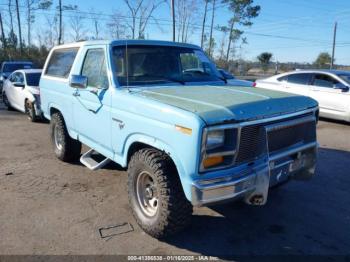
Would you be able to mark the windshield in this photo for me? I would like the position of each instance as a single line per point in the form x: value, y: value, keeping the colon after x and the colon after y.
x: 33, y: 79
x: 345, y: 77
x: 162, y: 64
x: 9, y: 68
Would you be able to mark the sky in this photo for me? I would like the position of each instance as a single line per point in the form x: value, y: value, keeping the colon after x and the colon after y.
x: 292, y: 30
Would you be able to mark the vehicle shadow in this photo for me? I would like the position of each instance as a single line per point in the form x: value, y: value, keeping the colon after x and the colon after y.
x: 300, y: 218
x: 340, y: 122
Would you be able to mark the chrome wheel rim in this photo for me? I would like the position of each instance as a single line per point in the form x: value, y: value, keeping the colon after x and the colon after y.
x: 29, y: 107
x: 58, y: 138
x: 147, y: 195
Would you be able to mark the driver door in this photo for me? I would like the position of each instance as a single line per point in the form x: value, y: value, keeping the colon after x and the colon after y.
x: 92, y: 106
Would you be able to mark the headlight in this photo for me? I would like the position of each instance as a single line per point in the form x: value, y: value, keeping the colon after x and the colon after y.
x: 215, y: 139
x: 218, y: 147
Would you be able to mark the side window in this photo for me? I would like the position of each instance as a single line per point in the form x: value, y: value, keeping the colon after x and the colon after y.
x: 94, y: 68
x: 324, y: 81
x: 300, y: 79
x: 17, y: 78
x: 12, y: 78
x: 20, y: 78
x: 61, y: 62
x: 283, y: 78
x: 190, y: 61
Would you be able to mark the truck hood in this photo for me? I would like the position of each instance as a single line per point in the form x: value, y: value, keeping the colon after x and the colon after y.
x: 218, y: 104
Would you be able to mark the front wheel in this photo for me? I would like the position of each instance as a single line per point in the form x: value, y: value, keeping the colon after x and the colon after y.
x: 66, y: 148
x: 30, y: 110
x: 155, y: 194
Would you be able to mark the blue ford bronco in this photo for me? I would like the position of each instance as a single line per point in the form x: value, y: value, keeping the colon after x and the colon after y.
x: 187, y: 138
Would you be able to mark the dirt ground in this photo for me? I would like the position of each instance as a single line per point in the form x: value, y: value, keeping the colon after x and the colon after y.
x: 50, y: 207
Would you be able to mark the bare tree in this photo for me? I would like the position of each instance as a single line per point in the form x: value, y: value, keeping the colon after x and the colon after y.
x: 9, y: 4
x: 117, y: 29
x: 19, y: 27
x: 3, y: 39
x: 95, y: 23
x: 186, y: 14
x: 141, y: 12
x: 60, y: 22
x: 31, y: 6
x: 203, y: 24
x: 211, y: 42
x: 61, y: 8
x: 48, y: 35
x: 77, y: 27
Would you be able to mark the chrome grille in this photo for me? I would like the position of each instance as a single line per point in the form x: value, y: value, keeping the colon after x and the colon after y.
x: 252, y: 143
x: 253, y: 138
x: 285, y: 137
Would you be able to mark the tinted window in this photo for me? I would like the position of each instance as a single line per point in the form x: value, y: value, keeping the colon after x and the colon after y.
x: 33, y: 79
x: 325, y: 81
x: 283, y: 78
x: 300, y: 79
x: 61, y: 62
x: 94, y: 68
x: 13, y: 67
x: 17, y: 78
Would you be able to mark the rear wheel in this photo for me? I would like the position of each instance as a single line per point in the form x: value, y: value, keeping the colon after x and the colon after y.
x: 66, y: 148
x: 155, y: 193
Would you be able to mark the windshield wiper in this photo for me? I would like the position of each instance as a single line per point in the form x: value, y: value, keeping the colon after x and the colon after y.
x: 175, y: 80
x: 223, y: 79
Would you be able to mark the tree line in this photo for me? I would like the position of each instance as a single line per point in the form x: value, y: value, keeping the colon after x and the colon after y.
x: 24, y: 36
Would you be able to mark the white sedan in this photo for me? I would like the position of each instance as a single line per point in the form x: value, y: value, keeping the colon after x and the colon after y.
x: 21, y: 92
x: 329, y: 87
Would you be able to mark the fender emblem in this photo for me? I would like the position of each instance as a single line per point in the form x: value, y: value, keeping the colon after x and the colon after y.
x: 120, y: 122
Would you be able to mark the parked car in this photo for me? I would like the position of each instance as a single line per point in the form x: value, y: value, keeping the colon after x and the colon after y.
x: 231, y: 80
x: 21, y: 92
x: 184, y: 137
x: 329, y: 87
x: 8, y: 67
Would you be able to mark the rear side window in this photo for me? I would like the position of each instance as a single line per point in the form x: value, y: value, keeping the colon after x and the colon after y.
x: 61, y: 62
x: 300, y: 79
x: 325, y: 81
x: 94, y: 68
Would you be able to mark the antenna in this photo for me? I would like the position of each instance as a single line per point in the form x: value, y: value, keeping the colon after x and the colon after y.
x: 127, y: 65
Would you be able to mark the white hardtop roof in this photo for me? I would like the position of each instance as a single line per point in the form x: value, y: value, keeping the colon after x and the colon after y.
x: 124, y: 42
x: 29, y: 71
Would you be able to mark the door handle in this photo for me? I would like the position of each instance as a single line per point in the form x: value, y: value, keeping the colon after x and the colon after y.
x: 76, y: 93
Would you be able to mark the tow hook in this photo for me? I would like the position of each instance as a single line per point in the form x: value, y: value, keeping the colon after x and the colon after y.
x: 257, y: 200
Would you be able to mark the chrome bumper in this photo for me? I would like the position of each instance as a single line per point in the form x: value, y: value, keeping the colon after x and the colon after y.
x: 253, y: 185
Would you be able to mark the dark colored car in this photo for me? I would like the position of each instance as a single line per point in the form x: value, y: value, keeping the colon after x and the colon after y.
x: 8, y: 67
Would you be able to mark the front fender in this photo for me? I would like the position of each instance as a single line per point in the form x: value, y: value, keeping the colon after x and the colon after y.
x: 162, y: 146
x: 47, y: 114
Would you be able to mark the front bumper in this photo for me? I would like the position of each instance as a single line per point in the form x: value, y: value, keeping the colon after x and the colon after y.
x: 252, y: 185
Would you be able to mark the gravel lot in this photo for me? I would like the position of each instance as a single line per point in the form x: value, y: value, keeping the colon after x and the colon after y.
x: 50, y: 207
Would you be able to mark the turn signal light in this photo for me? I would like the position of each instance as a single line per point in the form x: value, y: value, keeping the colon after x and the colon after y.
x: 213, y: 161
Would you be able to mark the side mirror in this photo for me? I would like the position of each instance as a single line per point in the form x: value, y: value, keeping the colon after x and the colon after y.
x: 342, y: 87
x: 18, y: 84
x: 78, y: 81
